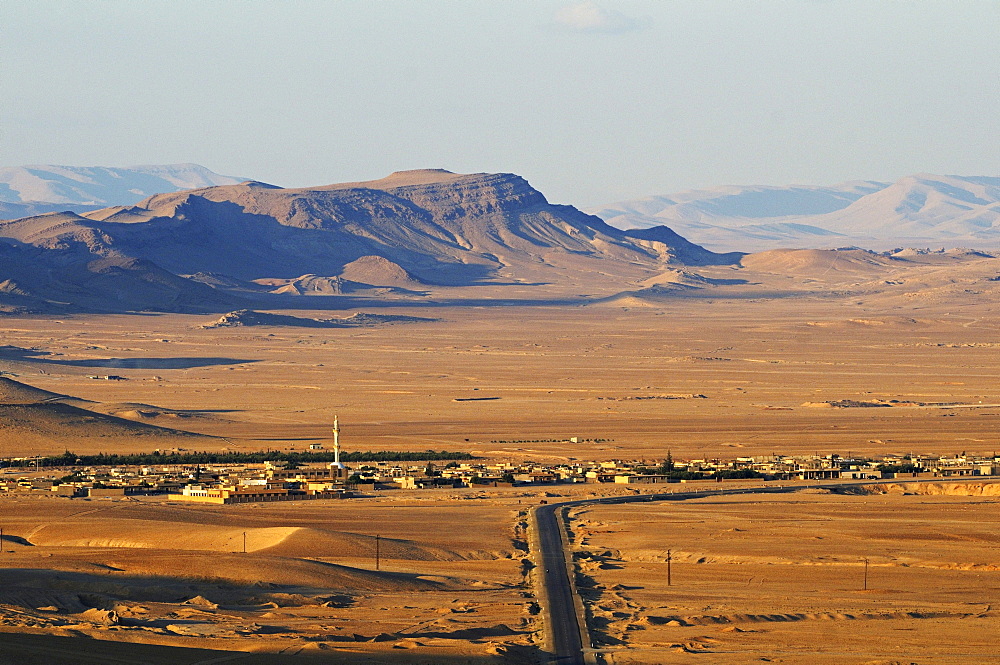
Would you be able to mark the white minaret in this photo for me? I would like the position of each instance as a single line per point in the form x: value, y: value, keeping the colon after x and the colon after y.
x: 336, y: 443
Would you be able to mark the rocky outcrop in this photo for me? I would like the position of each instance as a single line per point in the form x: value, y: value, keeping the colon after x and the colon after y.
x: 248, y: 317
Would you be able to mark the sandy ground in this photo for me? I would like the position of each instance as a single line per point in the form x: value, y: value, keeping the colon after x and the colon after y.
x: 175, y: 575
x: 780, y: 578
x: 631, y: 376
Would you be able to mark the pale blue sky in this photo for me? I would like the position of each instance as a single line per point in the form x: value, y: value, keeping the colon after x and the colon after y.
x: 592, y: 102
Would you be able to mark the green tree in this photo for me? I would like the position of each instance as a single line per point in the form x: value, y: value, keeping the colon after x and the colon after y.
x: 668, y: 464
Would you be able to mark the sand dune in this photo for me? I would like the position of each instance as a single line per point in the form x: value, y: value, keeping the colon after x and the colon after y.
x: 148, y: 534
x: 273, y: 541
x: 316, y: 543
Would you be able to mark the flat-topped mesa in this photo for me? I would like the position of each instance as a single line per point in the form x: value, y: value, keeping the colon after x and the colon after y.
x: 421, y: 220
x: 443, y: 194
x: 457, y: 195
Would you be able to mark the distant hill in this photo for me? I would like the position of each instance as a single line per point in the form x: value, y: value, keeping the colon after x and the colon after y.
x: 407, y: 232
x: 950, y: 210
x: 41, y: 188
x: 17, y: 210
x: 921, y: 210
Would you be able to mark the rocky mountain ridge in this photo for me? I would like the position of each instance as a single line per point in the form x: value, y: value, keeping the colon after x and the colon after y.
x: 426, y: 227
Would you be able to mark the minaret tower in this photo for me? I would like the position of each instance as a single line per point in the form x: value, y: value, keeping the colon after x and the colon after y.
x: 336, y: 443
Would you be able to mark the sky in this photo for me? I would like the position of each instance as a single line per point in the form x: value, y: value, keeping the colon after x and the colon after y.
x: 593, y: 102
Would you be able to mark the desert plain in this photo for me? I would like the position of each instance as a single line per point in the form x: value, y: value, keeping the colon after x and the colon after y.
x: 748, y: 365
x: 899, y: 573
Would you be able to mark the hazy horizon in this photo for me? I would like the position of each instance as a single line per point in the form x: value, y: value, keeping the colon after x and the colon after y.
x: 592, y: 102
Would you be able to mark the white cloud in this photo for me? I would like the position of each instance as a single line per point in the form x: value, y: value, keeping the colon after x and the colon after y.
x: 590, y: 17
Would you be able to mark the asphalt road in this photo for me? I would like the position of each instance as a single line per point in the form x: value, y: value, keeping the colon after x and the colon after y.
x: 560, y: 614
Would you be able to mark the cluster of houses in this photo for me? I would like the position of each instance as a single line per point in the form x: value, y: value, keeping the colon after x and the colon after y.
x: 775, y: 467
x: 235, y: 483
x: 212, y: 483
x: 834, y: 467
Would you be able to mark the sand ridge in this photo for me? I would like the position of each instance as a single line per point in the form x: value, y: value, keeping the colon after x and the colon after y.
x: 36, y: 416
x: 16, y: 392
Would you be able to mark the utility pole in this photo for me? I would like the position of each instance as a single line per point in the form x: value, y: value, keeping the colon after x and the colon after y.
x: 244, y: 542
x: 377, y: 537
x: 866, y: 575
x: 670, y: 557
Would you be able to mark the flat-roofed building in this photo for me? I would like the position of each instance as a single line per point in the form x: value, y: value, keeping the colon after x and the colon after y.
x: 641, y: 479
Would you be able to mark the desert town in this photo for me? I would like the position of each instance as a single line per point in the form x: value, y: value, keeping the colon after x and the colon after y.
x: 660, y: 333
